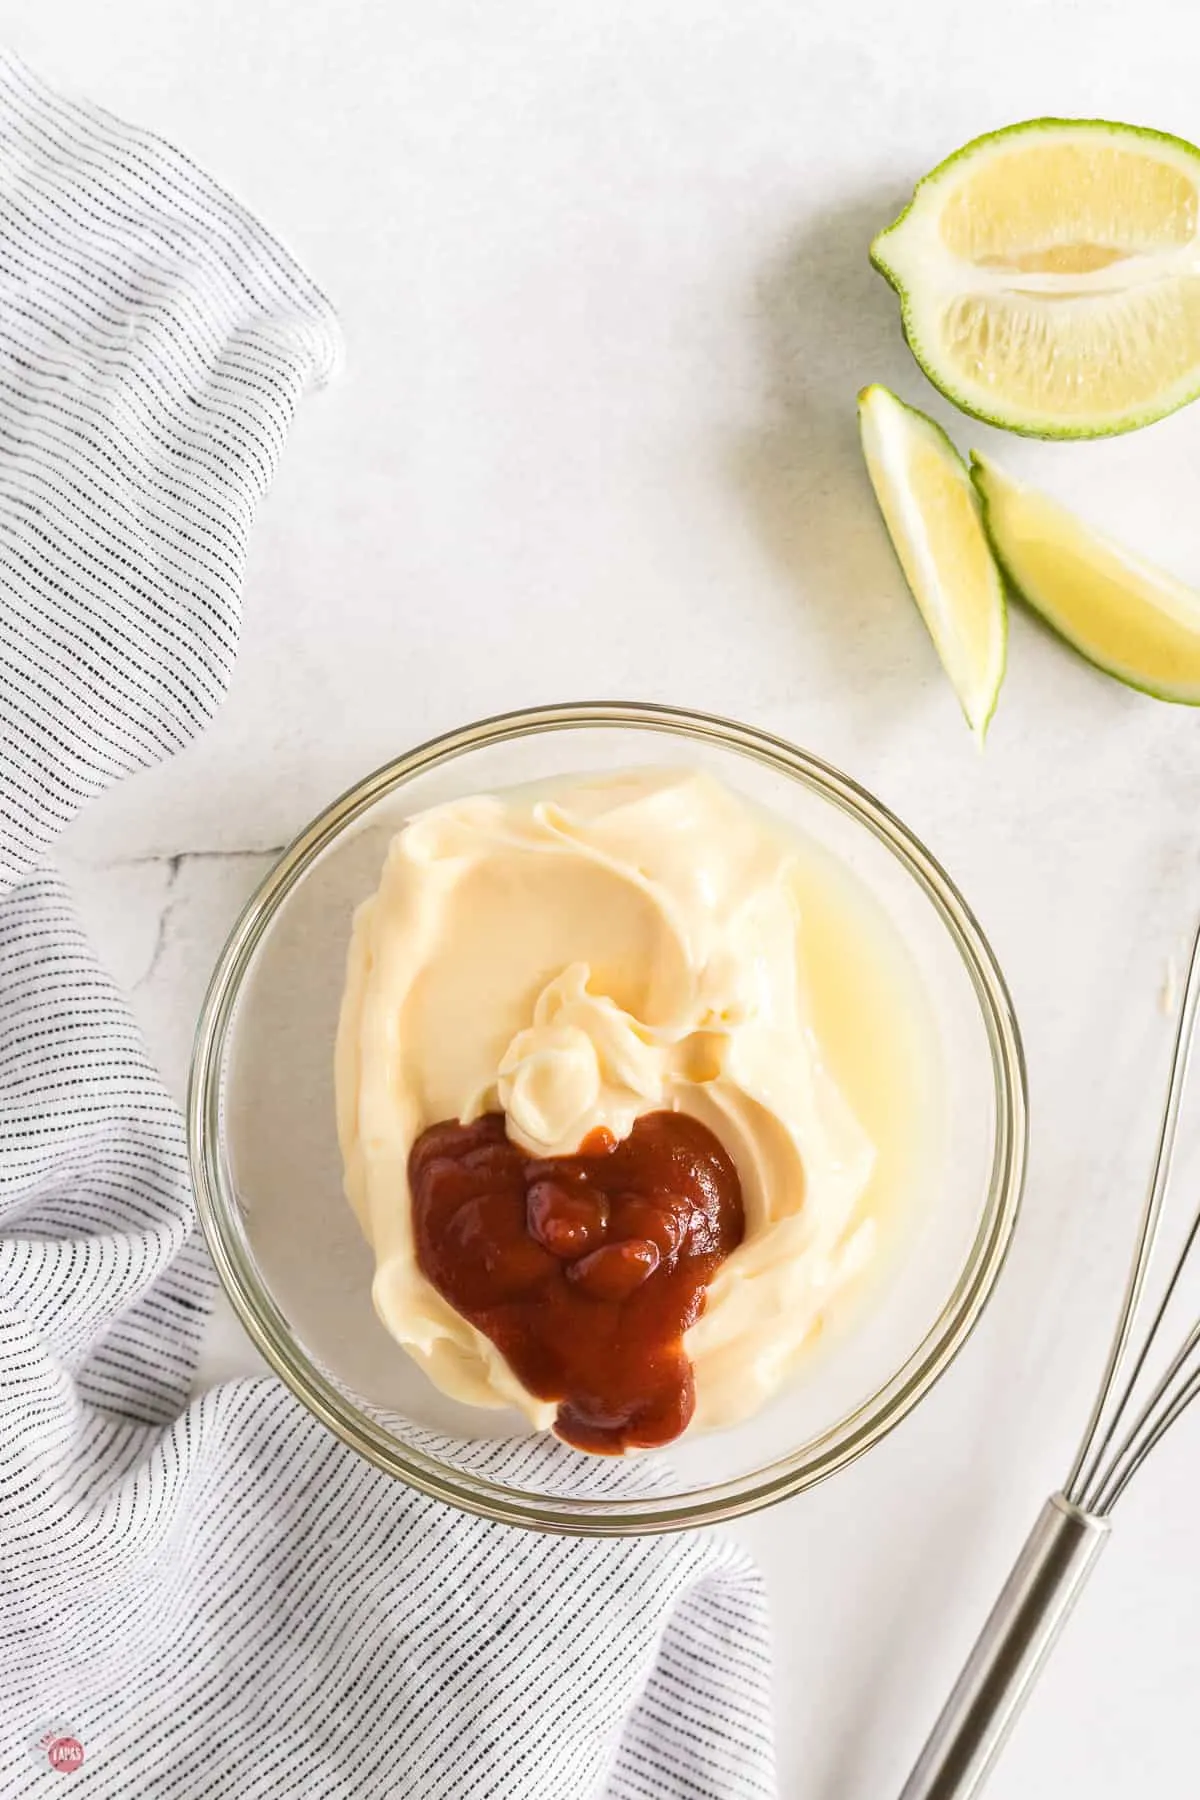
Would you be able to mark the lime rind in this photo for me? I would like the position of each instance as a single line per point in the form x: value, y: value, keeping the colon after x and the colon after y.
x: 1047, y: 426
x: 983, y: 473
x: 876, y: 405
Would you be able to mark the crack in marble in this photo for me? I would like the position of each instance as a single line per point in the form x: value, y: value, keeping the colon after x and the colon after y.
x: 171, y: 898
x: 176, y: 858
x: 169, y: 902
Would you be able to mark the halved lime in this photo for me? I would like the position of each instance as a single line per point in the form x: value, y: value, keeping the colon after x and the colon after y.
x: 1126, y: 616
x: 1049, y: 276
x: 933, y: 518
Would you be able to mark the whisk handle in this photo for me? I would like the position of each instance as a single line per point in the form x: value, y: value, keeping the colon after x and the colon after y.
x: 1022, y: 1627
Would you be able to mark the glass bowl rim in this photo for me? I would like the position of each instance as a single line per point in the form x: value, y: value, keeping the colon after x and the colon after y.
x: 843, y: 1442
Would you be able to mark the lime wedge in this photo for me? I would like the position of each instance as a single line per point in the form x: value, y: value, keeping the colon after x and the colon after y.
x: 1049, y: 276
x: 1124, y: 615
x: 933, y: 519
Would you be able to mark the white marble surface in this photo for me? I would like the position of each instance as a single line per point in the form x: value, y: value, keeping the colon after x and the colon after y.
x: 604, y: 282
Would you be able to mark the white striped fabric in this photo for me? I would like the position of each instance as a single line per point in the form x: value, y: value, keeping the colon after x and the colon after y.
x: 217, y: 1599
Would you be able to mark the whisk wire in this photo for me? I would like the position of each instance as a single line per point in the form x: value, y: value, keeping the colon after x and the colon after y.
x: 1117, y: 1483
x: 1145, y: 1416
x: 1093, y: 1483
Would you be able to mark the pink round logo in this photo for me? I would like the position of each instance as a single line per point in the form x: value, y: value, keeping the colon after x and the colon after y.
x: 65, y: 1753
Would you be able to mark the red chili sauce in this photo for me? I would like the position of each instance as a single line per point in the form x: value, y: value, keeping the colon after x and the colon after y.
x: 585, y: 1271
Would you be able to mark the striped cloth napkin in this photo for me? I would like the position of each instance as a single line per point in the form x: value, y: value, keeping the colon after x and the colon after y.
x: 213, y: 1597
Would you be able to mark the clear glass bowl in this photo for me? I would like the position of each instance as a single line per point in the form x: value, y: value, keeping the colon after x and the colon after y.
x: 267, y: 1172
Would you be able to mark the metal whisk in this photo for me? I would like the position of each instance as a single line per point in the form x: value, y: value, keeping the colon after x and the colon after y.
x: 1133, y: 1410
